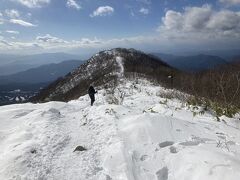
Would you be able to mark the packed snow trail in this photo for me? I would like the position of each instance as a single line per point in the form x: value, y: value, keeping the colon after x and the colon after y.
x: 145, y: 138
x: 119, y: 61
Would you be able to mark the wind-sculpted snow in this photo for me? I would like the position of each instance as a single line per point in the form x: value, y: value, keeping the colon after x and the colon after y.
x: 145, y: 138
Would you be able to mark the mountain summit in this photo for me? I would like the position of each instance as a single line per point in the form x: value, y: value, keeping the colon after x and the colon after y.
x: 101, y: 69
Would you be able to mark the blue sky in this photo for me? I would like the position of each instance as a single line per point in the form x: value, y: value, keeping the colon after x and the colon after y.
x: 76, y: 26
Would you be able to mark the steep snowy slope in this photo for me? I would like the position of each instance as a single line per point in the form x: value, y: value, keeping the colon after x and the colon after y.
x: 145, y: 138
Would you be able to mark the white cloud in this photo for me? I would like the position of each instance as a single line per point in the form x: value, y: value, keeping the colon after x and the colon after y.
x: 33, y: 3
x: 230, y: 2
x: 87, y: 42
x: 22, y: 23
x: 12, y: 32
x: 73, y: 4
x: 12, y: 13
x: 15, y: 18
x: 49, y: 43
x: 172, y: 20
x: 49, y: 39
x: 4, y: 44
x: 202, y: 23
x: 102, y: 11
x: 144, y: 11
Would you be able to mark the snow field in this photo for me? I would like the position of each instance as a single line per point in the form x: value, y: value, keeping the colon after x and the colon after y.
x: 145, y: 138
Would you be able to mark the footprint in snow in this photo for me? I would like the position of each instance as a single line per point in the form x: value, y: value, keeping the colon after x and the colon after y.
x: 84, y: 124
x: 173, y: 150
x: 80, y: 148
x: 165, y: 144
x: 162, y: 174
x: 144, y: 157
x: 53, y: 112
x: 220, y: 133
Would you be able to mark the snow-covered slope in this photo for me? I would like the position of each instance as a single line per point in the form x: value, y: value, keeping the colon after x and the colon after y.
x: 145, y: 138
x: 101, y: 69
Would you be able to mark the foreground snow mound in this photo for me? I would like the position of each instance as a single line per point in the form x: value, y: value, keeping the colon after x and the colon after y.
x: 145, y: 138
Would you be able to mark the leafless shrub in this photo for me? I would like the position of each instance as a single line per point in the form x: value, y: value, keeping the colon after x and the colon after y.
x: 122, y: 95
x: 111, y: 99
x: 173, y: 94
x: 217, y: 89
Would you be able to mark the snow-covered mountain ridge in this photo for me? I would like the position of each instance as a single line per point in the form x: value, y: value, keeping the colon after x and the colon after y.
x: 101, y: 69
x: 144, y: 137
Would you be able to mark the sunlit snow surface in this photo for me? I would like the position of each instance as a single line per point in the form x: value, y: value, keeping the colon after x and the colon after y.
x: 145, y: 138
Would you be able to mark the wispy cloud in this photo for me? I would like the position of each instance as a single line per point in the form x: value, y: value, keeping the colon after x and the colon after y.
x: 13, y: 16
x: 4, y: 44
x: 144, y: 11
x: 52, y: 42
x: 73, y: 4
x: 49, y: 39
x: 12, y: 32
x: 48, y: 42
x: 33, y: 3
x: 22, y: 22
x: 103, y: 11
x: 12, y: 13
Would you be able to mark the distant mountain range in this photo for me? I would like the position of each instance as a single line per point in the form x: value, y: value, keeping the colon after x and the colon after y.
x: 42, y: 74
x: 21, y: 86
x: 226, y: 54
x: 11, y: 64
x: 192, y: 63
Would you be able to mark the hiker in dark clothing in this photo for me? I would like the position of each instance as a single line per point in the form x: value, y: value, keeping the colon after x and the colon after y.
x: 92, y: 92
